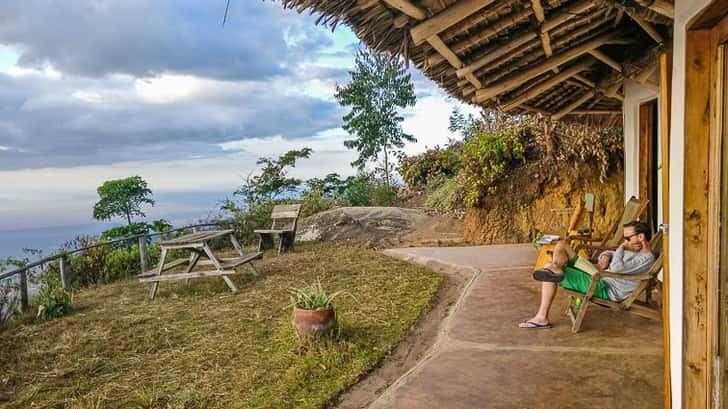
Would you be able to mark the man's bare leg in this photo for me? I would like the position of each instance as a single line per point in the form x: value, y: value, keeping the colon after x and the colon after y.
x: 561, y: 255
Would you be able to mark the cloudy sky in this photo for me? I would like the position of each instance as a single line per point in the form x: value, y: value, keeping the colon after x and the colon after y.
x: 92, y: 90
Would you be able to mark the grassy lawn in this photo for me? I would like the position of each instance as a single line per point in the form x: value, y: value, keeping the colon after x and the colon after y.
x: 197, y: 345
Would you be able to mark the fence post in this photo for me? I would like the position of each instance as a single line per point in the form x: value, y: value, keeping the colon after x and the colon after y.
x: 24, y: 290
x: 143, y: 253
x: 65, y: 273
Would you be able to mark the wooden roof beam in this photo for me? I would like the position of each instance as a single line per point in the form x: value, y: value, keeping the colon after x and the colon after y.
x: 647, y: 26
x: 548, y: 84
x: 406, y: 7
x: 606, y: 60
x: 556, y: 20
x: 664, y: 7
x: 516, y: 79
x: 571, y: 107
x: 618, y: 18
x: 436, y: 42
x: 596, y: 112
x: 446, y: 18
x: 535, y: 110
x: 585, y: 80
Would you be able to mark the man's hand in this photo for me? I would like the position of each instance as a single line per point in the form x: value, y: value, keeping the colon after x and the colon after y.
x: 603, y: 262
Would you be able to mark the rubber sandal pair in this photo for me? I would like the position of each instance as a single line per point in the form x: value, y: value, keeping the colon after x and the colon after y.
x: 546, y: 274
x: 534, y: 325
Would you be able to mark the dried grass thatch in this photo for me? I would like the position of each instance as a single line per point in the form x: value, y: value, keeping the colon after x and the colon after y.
x: 511, y: 54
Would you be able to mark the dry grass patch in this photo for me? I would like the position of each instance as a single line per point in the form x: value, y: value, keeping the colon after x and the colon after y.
x: 197, y: 345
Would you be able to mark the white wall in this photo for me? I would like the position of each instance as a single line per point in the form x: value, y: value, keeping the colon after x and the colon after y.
x: 634, y: 95
x: 684, y: 11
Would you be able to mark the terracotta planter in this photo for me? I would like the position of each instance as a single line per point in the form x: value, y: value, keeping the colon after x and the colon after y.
x: 313, y: 323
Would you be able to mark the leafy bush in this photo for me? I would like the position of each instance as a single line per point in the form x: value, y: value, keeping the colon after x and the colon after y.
x: 383, y: 195
x: 435, y: 163
x: 52, y: 300
x: 313, y: 297
x: 136, y: 229
x: 446, y: 196
x: 486, y: 158
x: 245, y: 219
x: 358, y: 192
x: 314, y: 201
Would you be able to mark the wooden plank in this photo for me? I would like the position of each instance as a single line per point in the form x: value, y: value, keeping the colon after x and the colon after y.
x: 65, y: 273
x: 160, y: 269
x: 665, y: 101
x: 446, y: 18
x: 516, y: 79
x: 272, y: 231
x: 183, y: 276
x: 595, y: 112
x: 548, y: 84
x: 407, y: 8
x: 576, y: 104
x: 695, y: 202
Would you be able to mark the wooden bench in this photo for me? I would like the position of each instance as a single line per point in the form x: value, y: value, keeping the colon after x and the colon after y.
x: 285, y: 222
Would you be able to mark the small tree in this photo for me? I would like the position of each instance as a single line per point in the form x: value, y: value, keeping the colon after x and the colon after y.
x: 273, y: 179
x: 379, y: 87
x: 122, y: 198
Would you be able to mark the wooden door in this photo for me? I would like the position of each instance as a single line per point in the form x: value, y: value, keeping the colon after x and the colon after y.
x: 648, y: 160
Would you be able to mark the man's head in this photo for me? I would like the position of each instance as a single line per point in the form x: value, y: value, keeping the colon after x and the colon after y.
x: 636, y: 235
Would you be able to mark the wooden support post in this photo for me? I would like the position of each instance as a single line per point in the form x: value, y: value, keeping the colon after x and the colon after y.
x: 446, y: 18
x: 65, y: 273
x: 144, y: 259
x: 23, y: 276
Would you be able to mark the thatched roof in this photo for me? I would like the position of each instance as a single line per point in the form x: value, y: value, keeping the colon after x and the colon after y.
x: 558, y: 57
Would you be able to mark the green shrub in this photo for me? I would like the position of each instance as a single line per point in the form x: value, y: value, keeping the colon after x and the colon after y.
x: 245, y: 219
x: 52, y: 300
x: 314, y: 201
x: 358, y: 192
x: 419, y: 170
x: 446, y: 196
x: 487, y: 156
x: 383, y: 195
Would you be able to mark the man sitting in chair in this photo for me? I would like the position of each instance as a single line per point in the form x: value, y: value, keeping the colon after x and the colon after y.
x: 633, y: 256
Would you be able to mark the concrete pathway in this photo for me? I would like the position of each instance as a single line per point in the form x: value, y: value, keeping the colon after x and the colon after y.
x: 483, y: 360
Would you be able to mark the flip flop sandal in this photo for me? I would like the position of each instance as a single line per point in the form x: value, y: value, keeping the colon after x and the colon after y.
x: 546, y: 274
x: 534, y: 325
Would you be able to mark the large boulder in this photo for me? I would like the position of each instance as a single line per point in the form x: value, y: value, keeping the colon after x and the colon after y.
x: 366, y: 224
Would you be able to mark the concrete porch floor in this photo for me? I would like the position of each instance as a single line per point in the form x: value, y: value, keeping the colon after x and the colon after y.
x: 483, y: 360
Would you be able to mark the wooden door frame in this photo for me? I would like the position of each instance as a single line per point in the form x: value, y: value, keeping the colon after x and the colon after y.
x: 665, y: 122
x: 701, y: 243
x: 648, y: 159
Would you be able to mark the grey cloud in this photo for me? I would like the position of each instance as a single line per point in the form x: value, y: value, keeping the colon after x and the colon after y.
x: 46, y: 126
x: 144, y: 38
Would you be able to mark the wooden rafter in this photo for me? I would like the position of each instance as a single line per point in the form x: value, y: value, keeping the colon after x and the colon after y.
x: 554, y: 21
x: 585, y: 80
x: 595, y: 112
x: 618, y: 18
x: 446, y: 18
x: 538, y: 10
x: 548, y: 84
x: 647, y: 26
x: 450, y: 56
x: 576, y: 104
x: 491, y: 31
x: 406, y: 7
x: 516, y: 79
x: 663, y: 7
x: 606, y: 60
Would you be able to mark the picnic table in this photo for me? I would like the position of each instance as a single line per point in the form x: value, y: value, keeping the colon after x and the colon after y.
x: 198, y: 244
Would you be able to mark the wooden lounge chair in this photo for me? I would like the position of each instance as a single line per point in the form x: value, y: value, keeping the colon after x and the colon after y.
x: 285, y: 222
x: 630, y: 304
x: 633, y: 209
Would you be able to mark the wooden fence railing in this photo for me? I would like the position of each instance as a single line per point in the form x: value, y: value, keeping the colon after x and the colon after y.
x: 63, y: 259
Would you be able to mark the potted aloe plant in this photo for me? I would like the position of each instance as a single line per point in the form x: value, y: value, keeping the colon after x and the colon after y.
x: 313, y: 311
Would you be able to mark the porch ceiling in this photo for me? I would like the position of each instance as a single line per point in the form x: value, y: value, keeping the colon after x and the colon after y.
x: 555, y: 57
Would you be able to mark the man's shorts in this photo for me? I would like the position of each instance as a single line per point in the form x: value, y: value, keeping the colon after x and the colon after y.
x: 577, y: 280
